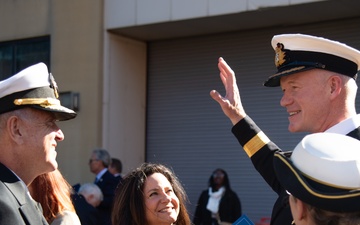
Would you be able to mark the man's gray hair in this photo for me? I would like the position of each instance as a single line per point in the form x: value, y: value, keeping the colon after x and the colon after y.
x: 103, y: 156
x: 91, y: 189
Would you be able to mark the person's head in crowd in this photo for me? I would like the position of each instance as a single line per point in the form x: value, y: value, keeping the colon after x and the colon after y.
x: 322, y: 177
x: 91, y: 193
x: 218, y: 179
x: 150, y: 194
x: 115, y: 167
x: 316, y: 75
x: 99, y: 160
x: 29, y: 113
x: 53, y: 192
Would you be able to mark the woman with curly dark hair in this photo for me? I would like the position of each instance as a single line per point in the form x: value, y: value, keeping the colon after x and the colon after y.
x: 150, y: 195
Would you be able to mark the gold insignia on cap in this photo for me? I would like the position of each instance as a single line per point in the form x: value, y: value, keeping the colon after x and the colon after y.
x: 43, y: 102
x: 53, y: 85
x: 279, y: 55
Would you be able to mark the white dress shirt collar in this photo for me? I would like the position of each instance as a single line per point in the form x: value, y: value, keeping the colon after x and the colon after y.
x: 346, y: 126
x: 101, y: 173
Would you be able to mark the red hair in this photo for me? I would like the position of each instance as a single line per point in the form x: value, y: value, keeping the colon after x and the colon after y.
x: 53, y: 192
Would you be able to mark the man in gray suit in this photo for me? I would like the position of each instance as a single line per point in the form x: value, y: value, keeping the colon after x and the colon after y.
x: 29, y: 110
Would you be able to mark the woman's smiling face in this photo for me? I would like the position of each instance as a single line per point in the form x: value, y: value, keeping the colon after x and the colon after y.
x: 161, y: 204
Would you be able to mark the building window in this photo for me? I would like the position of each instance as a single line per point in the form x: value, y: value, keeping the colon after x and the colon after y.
x: 19, y: 54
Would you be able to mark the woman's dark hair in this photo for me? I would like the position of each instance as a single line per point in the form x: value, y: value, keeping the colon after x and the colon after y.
x: 324, y: 217
x: 129, y: 202
x: 226, y: 179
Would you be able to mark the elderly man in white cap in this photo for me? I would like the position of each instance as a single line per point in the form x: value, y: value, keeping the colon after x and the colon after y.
x: 317, y: 77
x: 322, y: 177
x: 28, y: 136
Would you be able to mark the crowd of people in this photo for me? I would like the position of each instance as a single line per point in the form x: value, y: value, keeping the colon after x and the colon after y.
x: 317, y: 183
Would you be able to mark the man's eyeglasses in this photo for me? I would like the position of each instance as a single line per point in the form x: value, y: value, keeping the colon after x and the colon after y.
x: 91, y: 160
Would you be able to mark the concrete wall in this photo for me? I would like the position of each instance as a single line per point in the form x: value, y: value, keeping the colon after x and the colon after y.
x: 76, y: 51
x: 24, y: 19
x: 125, y: 13
x: 124, y: 104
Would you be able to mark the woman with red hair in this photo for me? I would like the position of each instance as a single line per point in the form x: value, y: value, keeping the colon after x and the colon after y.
x: 53, y: 192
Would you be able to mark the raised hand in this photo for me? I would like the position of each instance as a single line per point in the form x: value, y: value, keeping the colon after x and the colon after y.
x: 231, y: 103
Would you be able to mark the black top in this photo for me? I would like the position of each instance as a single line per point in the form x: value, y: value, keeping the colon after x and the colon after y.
x: 229, y: 208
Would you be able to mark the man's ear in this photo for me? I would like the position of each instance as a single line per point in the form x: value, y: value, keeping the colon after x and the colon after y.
x: 298, y: 210
x: 335, y: 83
x: 13, y: 127
x: 303, y: 213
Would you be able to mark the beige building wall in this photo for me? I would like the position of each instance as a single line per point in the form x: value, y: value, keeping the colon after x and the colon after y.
x: 24, y: 19
x: 124, y: 103
x: 76, y: 58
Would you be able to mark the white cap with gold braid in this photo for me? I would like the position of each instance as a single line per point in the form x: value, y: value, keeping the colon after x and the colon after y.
x: 33, y: 87
x: 296, y: 53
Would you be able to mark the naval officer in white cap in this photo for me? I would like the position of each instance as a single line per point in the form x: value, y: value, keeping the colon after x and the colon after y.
x: 29, y: 111
x: 317, y: 78
x: 322, y: 177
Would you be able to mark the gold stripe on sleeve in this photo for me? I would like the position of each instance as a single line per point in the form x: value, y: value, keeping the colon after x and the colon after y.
x: 256, y: 143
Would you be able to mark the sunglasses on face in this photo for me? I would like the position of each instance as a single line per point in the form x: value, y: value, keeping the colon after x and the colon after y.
x: 215, y: 175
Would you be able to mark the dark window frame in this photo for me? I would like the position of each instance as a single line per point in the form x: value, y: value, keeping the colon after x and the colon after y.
x: 16, y: 55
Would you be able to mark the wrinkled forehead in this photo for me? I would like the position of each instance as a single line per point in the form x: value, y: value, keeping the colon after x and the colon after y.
x: 34, y: 114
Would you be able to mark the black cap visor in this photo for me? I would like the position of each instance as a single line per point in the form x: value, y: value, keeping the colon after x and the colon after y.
x: 299, y: 61
x: 42, y: 98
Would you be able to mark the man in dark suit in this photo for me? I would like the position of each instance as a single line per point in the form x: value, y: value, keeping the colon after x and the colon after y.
x: 85, y: 202
x: 115, y: 169
x: 99, y: 162
x: 28, y: 136
x: 317, y: 77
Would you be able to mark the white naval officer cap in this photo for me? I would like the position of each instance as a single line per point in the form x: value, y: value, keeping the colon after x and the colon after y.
x: 33, y: 87
x: 323, y: 171
x: 295, y: 53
